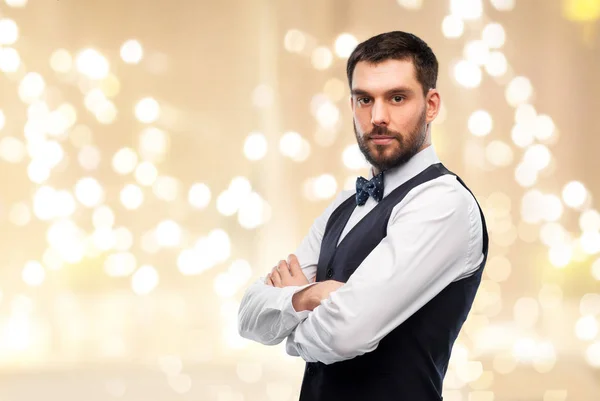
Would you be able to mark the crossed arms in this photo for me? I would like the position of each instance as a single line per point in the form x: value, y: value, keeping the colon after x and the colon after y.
x: 430, y: 244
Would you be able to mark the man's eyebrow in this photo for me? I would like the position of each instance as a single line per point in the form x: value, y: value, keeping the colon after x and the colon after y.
x: 399, y: 89
x: 358, y: 91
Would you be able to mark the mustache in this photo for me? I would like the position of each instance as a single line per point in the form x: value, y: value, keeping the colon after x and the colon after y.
x: 382, y: 131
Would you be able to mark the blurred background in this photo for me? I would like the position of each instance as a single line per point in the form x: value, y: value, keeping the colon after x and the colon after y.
x: 157, y: 157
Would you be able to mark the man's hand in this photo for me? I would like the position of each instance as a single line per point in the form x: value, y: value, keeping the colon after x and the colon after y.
x: 311, y: 297
x: 286, y: 274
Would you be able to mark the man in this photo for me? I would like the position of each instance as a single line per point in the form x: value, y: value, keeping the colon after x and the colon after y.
x: 395, y: 264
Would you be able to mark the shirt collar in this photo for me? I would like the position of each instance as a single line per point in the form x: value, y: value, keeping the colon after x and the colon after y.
x: 397, y: 176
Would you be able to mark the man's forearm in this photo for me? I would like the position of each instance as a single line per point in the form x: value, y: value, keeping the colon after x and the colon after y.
x: 309, y: 298
x: 305, y: 300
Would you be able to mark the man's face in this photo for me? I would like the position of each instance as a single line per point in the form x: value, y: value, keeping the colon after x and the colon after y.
x: 390, y: 112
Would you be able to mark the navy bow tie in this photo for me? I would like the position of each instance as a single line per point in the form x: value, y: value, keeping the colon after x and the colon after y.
x: 373, y: 187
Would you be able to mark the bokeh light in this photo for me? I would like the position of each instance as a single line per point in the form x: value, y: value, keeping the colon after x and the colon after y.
x: 92, y: 64
x: 144, y: 280
x: 153, y: 144
x: 493, y: 35
x: 466, y: 9
x: 33, y: 274
x: 345, y: 44
x: 31, y: 87
x: 496, y: 64
x: 124, y: 161
x: 61, y: 61
x: 12, y: 150
x: 199, y: 195
x: 10, y: 60
x: 294, y: 146
x: 592, y: 354
x: 131, y: 196
x: 586, y: 328
x: 168, y: 233
x: 518, y: 91
x: 589, y: 220
x: 477, y: 51
x: 467, y: 74
x: 480, y: 123
x: 294, y: 41
x: 499, y: 153
x: 322, y: 58
x: 410, y: 4
x: 146, y: 173
x: 131, y: 51
x: 574, y: 194
x: 503, y: 5
x: 544, y: 127
x: 166, y: 188
x: 255, y: 146
x: 147, y: 110
x: 16, y: 3
x: 9, y: 31
x: 452, y: 26
x: 89, y: 192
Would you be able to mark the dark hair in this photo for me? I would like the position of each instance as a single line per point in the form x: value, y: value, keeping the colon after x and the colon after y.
x: 397, y: 45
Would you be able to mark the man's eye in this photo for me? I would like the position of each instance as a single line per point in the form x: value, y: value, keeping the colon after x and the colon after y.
x: 398, y: 99
x: 364, y: 100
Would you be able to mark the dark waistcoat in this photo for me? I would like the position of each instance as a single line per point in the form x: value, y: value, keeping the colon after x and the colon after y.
x: 409, y: 363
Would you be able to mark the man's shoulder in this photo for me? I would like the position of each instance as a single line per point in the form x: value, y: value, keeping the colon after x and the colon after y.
x: 443, y: 191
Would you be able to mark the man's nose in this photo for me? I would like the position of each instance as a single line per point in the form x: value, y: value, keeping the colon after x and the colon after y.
x: 379, y: 114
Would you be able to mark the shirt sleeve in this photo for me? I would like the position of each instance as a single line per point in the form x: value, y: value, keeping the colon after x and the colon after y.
x: 266, y: 314
x: 426, y: 249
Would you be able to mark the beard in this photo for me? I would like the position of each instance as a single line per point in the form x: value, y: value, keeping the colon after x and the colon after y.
x: 398, y: 152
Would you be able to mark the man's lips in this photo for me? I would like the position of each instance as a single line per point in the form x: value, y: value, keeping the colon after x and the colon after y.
x: 381, y: 139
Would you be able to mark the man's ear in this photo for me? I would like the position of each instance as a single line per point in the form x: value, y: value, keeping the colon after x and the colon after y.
x: 434, y: 103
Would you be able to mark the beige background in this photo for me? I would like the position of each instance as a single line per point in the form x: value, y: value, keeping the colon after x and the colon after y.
x: 219, y: 71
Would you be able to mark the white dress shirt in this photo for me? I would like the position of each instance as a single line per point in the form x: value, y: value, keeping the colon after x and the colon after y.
x: 434, y: 237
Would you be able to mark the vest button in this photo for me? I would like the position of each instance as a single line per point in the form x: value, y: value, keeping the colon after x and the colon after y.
x: 329, y: 273
x: 310, y: 371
